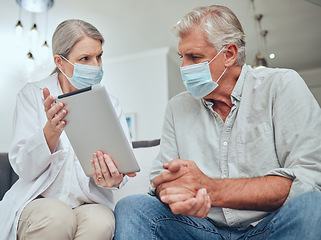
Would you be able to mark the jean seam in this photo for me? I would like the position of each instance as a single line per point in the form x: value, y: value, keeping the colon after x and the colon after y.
x: 181, y: 221
x: 263, y: 230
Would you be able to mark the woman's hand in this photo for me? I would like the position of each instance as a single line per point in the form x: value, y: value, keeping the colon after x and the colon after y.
x: 105, y: 173
x: 55, y: 124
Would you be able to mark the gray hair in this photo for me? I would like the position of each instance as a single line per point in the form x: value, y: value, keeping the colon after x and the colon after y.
x: 220, y: 25
x: 68, y: 33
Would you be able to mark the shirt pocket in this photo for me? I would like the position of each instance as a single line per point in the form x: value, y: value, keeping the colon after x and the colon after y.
x: 255, y: 151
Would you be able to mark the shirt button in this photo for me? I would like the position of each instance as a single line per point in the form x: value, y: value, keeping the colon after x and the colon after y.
x: 228, y: 210
x: 225, y: 143
x: 224, y: 176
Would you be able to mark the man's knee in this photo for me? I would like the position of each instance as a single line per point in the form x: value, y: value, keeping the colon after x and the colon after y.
x: 308, y: 206
x: 134, y: 203
x: 135, y: 208
x: 302, y: 210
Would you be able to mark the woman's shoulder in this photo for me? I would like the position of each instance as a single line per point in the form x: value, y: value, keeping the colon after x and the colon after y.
x: 47, y: 82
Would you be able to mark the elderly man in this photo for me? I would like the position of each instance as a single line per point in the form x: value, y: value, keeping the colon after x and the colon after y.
x: 240, y: 154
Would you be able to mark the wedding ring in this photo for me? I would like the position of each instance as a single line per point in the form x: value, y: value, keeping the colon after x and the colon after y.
x: 99, y: 178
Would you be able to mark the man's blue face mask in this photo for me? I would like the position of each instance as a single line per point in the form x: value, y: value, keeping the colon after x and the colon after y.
x: 197, y: 78
x: 84, y: 75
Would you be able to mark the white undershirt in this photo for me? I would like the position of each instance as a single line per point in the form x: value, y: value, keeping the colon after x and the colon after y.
x: 66, y: 186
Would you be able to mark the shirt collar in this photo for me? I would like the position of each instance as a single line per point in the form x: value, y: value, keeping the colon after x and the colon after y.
x: 236, y: 94
x: 207, y: 103
x: 52, y: 83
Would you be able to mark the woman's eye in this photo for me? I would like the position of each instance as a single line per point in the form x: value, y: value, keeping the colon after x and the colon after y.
x: 99, y: 56
x: 84, y: 59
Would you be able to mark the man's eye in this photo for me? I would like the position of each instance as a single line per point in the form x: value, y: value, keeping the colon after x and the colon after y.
x: 194, y: 57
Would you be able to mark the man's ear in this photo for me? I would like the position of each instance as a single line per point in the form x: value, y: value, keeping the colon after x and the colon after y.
x: 58, y: 61
x: 231, y: 52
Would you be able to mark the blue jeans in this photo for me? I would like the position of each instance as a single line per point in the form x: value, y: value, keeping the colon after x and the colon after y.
x: 145, y: 217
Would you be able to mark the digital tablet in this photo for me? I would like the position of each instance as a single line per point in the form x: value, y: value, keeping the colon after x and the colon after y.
x: 92, y: 125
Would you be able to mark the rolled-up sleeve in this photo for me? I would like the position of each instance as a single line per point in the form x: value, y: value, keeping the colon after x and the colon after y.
x: 297, y: 126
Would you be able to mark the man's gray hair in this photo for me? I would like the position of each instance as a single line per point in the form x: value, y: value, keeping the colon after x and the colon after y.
x: 68, y: 33
x: 220, y: 25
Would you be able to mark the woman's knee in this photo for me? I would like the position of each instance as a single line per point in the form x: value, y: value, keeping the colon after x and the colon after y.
x: 58, y: 216
x: 47, y: 216
x: 94, y: 221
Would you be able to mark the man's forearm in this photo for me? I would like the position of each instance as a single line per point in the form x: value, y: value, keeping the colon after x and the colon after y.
x: 265, y: 193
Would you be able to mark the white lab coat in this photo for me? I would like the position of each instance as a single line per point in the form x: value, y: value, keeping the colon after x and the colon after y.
x: 32, y: 160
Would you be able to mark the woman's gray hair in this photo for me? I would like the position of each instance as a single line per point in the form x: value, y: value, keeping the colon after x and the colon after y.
x: 68, y: 33
x: 220, y: 25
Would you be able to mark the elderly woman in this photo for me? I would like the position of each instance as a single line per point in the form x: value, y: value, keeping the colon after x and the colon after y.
x: 53, y: 198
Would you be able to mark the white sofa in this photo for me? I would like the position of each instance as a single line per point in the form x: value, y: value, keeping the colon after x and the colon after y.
x: 139, y: 184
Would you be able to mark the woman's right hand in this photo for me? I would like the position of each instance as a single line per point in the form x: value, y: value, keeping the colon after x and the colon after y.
x: 55, y: 124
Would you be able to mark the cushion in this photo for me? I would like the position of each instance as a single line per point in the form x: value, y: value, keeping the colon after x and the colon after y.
x: 139, y: 184
x: 5, y: 174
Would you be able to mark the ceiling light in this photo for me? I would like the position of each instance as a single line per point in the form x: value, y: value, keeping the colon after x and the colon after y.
x: 19, y: 29
x: 35, y: 6
x: 272, y: 55
x: 34, y: 35
x: 30, y: 56
x: 34, y: 28
x: 259, y: 61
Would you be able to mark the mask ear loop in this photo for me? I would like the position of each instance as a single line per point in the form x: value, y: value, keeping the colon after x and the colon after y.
x: 212, y: 61
x: 66, y: 59
x: 221, y: 75
x: 61, y: 70
x: 217, y: 55
x: 63, y: 73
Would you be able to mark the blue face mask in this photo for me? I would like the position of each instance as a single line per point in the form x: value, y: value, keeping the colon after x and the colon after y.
x: 84, y: 75
x: 197, y: 78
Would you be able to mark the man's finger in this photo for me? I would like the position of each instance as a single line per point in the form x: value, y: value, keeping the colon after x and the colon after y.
x: 174, y: 166
x: 173, y: 198
x: 165, y: 176
x: 183, y: 207
x: 202, y: 205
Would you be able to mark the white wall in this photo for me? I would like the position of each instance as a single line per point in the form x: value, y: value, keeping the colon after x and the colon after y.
x: 139, y: 81
x: 175, y: 83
